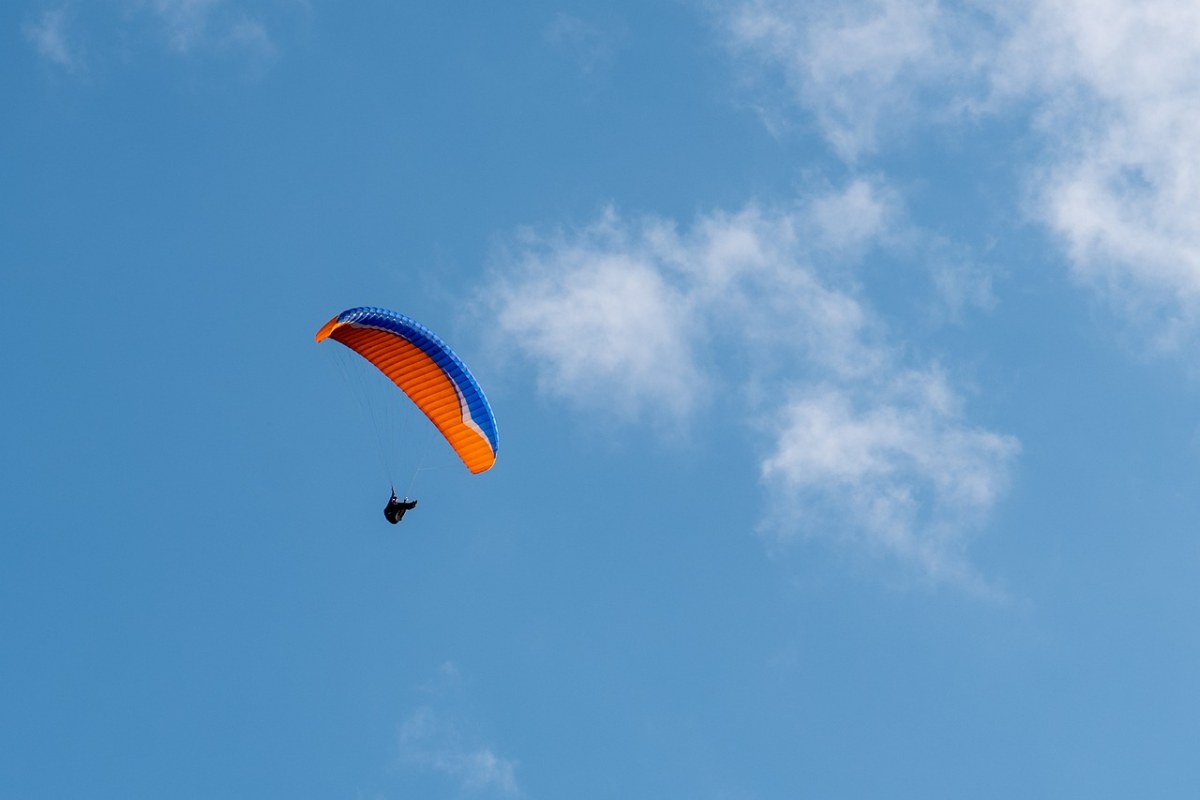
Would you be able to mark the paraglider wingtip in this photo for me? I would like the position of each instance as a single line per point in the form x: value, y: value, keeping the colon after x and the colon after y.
x: 323, y: 334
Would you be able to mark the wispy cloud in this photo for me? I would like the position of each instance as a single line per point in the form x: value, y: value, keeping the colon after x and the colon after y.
x: 611, y: 328
x: 591, y: 46
x: 246, y: 31
x: 184, y: 23
x: 48, y: 35
x: 1120, y: 112
x: 430, y: 741
x: 617, y: 314
x: 864, y: 68
x: 189, y: 26
x: 899, y: 462
x: 434, y: 737
x: 1111, y: 85
x: 630, y: 315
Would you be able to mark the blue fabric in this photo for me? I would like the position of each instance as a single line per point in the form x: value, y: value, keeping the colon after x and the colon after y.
x: 431, y: 344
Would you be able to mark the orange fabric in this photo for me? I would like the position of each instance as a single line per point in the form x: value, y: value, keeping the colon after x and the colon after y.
x: 425, y: 383
x: 323, y: 334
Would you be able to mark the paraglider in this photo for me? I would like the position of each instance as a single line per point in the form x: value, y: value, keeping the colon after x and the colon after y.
x: 430, y: 374
x: 394, y: 511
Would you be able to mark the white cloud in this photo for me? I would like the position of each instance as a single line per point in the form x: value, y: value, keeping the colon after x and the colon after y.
x: 629, y: 312
x: 855, y: 217
x: 898, y: 461
x: 862, y: 67
x: 48, y: 35
x: 438, y: 737
x: 1113, y: 90
x: 1120, y: 112
x: 430, y: 741
x: 617, y: 315
x: 185, y: 23
x: 188, y: 26
x: 591, y: 46
x: 609, y: 329
x: 245, y: 30
x: 961, y: 284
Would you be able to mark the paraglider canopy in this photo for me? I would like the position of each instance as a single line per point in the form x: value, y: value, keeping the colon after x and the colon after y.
x: 428, y: 372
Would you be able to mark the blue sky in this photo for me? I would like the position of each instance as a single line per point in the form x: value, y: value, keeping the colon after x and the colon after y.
x: 842, y: 356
